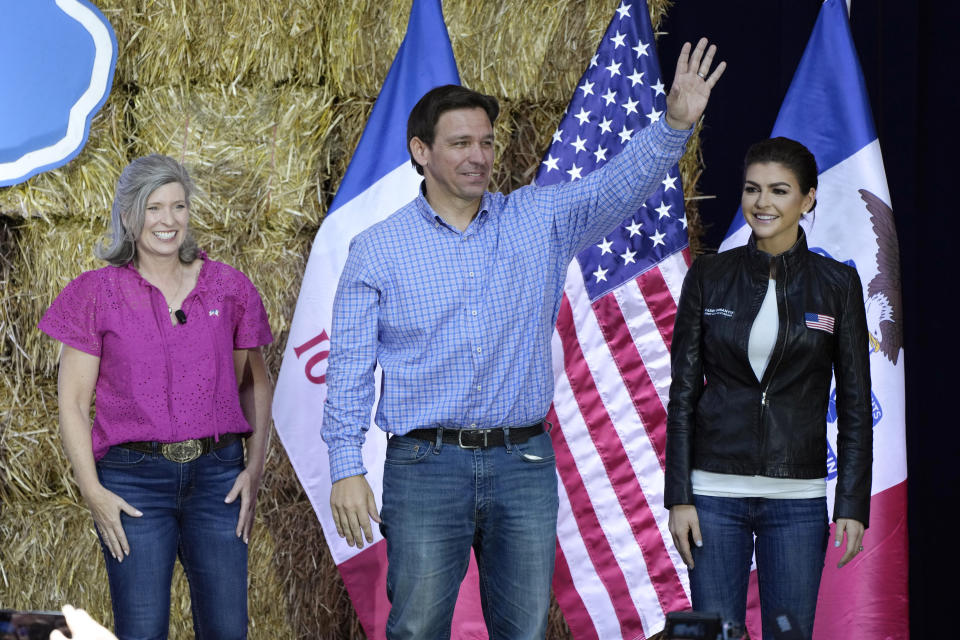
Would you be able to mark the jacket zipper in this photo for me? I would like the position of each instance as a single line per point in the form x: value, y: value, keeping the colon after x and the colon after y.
x: 783, y: 347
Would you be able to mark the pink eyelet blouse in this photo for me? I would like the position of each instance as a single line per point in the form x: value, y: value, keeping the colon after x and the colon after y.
x: 160, y: 381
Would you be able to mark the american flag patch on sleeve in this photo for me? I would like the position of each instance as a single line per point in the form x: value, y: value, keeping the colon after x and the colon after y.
x: 819, y: 321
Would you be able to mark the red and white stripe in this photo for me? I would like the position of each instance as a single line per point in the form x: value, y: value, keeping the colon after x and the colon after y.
x: 821, y: 322
x: 617, y: 570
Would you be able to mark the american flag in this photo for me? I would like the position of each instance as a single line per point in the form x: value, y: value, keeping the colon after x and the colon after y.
x: 819, y: 321
x: 617, y: 570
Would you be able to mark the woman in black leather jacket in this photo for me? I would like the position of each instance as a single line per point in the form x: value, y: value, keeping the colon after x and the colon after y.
x: 759, y: 330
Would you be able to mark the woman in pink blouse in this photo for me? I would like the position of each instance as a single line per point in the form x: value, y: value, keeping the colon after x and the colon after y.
x: 169, y: 341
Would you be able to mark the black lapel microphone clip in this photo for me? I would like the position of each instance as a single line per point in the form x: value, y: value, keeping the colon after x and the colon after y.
x: 181, y: 316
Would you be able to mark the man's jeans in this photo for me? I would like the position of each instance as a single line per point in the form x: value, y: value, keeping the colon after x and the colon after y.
x: 439, y: 501
x: 791, y: 544
x: 183, y: 516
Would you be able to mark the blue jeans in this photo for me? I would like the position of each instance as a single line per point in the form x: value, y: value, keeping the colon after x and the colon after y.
x: 183, y: 516
x: 439, y: 501
x: 791, y: 544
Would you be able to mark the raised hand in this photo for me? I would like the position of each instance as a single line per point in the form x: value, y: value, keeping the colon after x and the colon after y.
x: 692, y: 84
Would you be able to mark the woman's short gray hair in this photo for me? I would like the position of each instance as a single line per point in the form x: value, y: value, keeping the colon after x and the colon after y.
x: 138, y: 180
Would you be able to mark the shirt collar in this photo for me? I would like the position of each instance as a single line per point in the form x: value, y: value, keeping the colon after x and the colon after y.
x: 431, y: 216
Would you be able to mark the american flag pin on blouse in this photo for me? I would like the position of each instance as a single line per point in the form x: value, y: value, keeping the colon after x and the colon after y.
x: 214, y: 312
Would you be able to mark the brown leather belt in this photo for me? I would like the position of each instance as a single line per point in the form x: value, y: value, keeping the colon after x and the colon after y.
x: 184, y: 451
x: 477, y: 438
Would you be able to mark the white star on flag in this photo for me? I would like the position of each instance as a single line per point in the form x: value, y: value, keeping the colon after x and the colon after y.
x: 558, y: 136
x: 605, y: 247
x: 600, y: 154
x: 625, y: 134
x: 605, y: 125
x: 658, y: 238
x: 629, y: 257
x: 635, y: 78
x: 624, y: 10
x: 579, y: 144
x: 587, y: 88
x: 551, y: 163
x: 600, y: 274
x: 583, y: 116
x: 617, y: 40
x: 634, y: 227
x: 668, y: 183
x: 610, y: 97
x: 574, y: 172
x: 658, y: 89
x: 614, y: 69
x: 654, y: 115
x: 641, y: 49
x: 663, y: 209
x: 593, y: 60
x: 631, y: 106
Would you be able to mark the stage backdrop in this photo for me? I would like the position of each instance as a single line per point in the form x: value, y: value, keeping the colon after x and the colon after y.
x: 265, y: 102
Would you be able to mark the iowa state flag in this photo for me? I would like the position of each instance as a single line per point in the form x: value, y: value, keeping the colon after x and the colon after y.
x: 379, y: 180
x: 826, y: 108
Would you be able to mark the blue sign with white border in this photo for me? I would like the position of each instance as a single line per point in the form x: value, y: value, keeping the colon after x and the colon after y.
x: 57, y: 59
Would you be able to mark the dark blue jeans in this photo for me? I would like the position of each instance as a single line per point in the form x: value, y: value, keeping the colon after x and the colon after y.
x: 791, y: 544
x: 183, y: 516
x: 439, y: 501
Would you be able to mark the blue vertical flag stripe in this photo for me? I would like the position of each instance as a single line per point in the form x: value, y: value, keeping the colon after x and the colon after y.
x: 383, y: 146
x: 828, y: 81
x: 620, y: 93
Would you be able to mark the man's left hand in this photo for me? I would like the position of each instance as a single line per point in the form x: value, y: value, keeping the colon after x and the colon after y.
x: 692, y: 84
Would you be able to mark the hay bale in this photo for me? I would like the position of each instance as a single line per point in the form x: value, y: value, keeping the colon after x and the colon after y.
x: 531, y: 51
x: 51, y: 556
x: 33, y: 466
x: 86, y: 184
x: 361, y: 39
x: 314, y: 595
x: 691, y: 166
x: 255, y: 154
x: 48, y: 254
x: 230, y: 43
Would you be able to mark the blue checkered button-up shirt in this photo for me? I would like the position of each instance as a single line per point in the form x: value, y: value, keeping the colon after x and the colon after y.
x: 461, y: 322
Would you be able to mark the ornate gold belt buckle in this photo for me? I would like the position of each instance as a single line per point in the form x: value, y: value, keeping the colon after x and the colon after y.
x: 186, y: 451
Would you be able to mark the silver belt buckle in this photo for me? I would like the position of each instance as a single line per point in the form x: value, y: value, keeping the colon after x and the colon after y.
x: 186, y: 451
x: 485, y: 432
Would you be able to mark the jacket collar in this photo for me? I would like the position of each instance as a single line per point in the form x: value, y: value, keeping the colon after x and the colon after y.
x: 791, y: 258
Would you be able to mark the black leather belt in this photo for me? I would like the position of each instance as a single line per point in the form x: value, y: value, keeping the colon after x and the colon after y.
x: 477, y: 438
x: 184, y: 451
